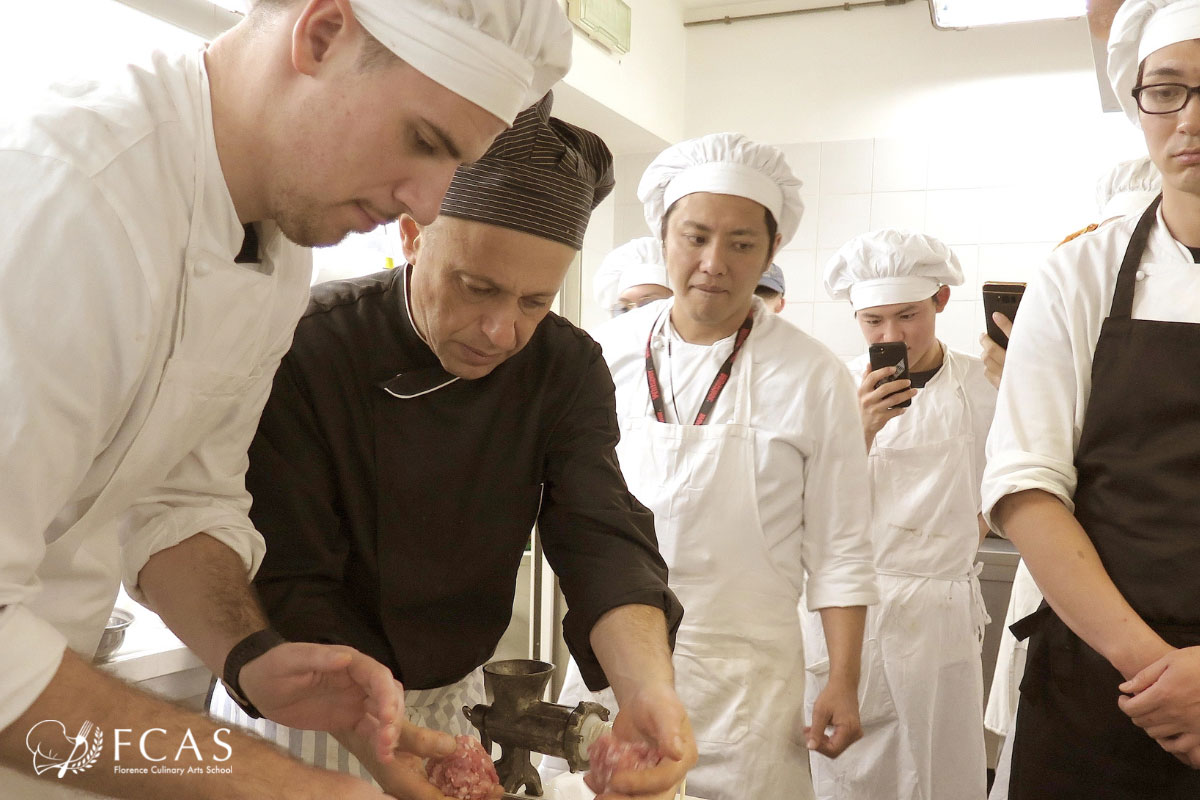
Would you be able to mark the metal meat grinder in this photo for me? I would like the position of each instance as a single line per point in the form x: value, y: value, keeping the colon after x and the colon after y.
x: 520, y: 722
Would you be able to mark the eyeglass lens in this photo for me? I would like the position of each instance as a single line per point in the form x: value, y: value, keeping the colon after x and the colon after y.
x: 1164, y: 98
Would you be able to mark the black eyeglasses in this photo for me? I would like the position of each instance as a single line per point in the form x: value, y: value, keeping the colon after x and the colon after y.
x: 1163, y: 98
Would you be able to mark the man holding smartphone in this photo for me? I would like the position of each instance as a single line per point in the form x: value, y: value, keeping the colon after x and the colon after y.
x: 923, y: 699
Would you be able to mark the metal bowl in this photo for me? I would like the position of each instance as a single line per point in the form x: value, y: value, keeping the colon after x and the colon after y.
x: 114, y: 634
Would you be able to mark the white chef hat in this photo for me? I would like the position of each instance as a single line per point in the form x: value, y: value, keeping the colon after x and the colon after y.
x: 890, y: 266
x: 502, y: 55
x: 723, y: 163
x: 641, y: 275
x: 1128, y: 188
x: 1139, y: 28
x: 637, y: 258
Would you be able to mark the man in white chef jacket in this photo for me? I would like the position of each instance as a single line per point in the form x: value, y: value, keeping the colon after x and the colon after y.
x: 149, y: 284
x: 923, y: 696
x: 739, y: 432
x: 1094, y: 459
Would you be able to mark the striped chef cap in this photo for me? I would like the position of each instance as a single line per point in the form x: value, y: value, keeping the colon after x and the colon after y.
x: 541, y: 176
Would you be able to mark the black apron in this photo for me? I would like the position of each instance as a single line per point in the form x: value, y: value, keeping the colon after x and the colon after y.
x: 1138, y: 499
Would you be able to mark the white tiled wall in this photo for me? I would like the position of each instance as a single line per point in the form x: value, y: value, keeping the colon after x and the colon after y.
x: 979, y: 199
x: 1001, y: 205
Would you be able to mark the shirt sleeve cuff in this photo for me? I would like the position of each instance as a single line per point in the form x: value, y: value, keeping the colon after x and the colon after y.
x: 31, y: 650
x: 843, y: 590
x: 1009, y: 473
x: 577, y: 630
x: 174, y: 525
x: 850, y: 582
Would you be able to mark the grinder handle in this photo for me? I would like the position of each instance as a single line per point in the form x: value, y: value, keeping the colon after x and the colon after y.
x: 476, y: 717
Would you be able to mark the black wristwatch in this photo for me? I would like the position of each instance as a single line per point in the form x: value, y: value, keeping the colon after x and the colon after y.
x: 243, y: 653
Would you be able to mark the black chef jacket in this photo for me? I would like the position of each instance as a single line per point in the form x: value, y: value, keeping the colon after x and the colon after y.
x: 396, y: 501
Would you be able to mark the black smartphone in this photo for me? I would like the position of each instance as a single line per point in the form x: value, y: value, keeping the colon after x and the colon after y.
x: 1002, y: 297
x: 890, y: 354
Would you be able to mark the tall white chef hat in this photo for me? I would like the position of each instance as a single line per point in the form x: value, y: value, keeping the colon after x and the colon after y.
x: 890, y: 266
x: 502, y: 55
x: 723, y: 163
x: 1128, y: 188
x: 1139, y: 28
x: 636, y: 262
x: 641, y: 275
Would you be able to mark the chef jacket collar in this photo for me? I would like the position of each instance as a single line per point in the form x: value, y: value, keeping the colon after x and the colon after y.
x: 223, y: 231
x: 1161, y: 241
x: 220, y: 232
x: 412, y: 383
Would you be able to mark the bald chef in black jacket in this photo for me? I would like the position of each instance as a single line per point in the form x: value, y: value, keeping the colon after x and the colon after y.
x: 425, y: 419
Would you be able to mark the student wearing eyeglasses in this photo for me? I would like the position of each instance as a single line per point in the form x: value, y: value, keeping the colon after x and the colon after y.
x: 1094, y: 461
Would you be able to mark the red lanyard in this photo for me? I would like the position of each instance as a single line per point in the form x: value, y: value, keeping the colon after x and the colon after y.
x: 718, y: 384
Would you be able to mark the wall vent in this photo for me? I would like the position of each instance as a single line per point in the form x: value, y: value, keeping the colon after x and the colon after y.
x: 606, y: 22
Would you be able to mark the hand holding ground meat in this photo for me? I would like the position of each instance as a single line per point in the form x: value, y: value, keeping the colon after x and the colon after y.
x: 652, y: 714
x: 608, y: 755
x: 465, y: 774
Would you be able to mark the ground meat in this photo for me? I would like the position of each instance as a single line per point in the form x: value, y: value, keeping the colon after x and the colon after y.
x: 608, y: 755
x: 467, y: 773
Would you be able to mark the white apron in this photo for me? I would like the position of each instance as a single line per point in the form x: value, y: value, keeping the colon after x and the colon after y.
x: 1001, y: 713
x: 1010, y: 658
x: 922, y: 678
x: 1003, y: 773
x: 739, y: 667
x: 439, y: 708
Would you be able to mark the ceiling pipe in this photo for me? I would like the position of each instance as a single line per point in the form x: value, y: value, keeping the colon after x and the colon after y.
x: 729, y: 20
x: 201, y: 17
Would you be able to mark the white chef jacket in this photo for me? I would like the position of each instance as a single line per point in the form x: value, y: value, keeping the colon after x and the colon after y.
x: 1048, y: 371
x: 958, y: 398
x: 136, y: 354
x: 811, y: 470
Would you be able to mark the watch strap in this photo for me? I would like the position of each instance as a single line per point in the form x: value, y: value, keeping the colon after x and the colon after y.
x: 241, y: 654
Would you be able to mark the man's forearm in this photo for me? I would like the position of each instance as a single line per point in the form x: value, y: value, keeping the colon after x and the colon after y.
x: 200, y: 589
x: 1068, y: 570
x: 120, y: 716
x: 843, y: 627
x: 632, y: 646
